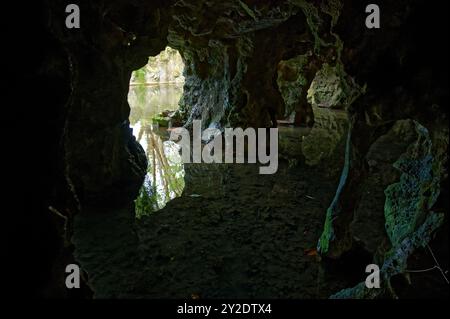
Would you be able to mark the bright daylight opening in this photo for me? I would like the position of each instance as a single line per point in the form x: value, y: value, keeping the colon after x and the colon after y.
x: 154, y: 93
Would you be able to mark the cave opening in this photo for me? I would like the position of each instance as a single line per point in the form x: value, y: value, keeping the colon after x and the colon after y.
x: 154, y: 93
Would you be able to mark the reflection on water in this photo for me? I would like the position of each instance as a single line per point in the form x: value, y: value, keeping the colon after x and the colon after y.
x: 165, y: 174
x: 322, y: 145
x: 329, y: 129
x: 147, y: 101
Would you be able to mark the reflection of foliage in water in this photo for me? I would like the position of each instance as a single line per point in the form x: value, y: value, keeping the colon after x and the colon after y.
x: 146, y: 201
x: 147, y: 101
x: 165, y: 175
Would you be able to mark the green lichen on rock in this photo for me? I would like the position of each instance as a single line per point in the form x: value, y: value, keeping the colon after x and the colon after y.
x: 395, y: 261
x: 326, y: 88
x: 408, y: 200
x: 409, y: 221
x: 333, y: 88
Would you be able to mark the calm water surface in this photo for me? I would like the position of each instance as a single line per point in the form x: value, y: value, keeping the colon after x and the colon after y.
x: 165, y: 173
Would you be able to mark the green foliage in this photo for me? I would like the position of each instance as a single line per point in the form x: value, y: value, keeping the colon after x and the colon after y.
x: 162, y: 121
x: 147, y: 201
x: 139, y: 75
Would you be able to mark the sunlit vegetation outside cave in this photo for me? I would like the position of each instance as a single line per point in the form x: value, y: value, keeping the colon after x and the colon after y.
x: 154, y: 93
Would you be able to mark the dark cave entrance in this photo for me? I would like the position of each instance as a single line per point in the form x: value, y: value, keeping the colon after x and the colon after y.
x: 154, y: 93
x: 233, y: 233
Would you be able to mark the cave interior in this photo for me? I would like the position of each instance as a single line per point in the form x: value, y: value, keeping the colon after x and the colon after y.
x: 362, y: 171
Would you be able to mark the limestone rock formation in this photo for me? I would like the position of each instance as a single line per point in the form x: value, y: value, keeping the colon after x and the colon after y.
x: 166, y: 67
x: 326, y: 89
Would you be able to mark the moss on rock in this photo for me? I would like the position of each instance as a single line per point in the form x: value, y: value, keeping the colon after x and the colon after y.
x: 410, y: 199
x: 409, y: 220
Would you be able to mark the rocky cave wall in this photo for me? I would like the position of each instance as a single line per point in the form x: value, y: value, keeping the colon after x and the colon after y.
x: 403, y: 79
x: 232, y: 51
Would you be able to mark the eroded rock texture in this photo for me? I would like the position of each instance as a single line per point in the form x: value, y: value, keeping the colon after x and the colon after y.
x: 166, y: 67
x: 231, y: 54
x: 401, y: 92
x: 396, y: 89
